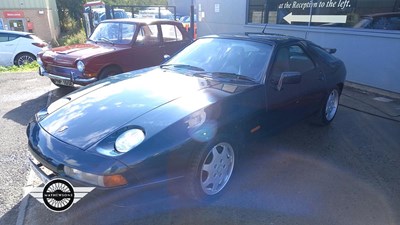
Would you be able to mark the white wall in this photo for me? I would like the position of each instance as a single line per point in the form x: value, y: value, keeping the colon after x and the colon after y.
x: 372, y: 57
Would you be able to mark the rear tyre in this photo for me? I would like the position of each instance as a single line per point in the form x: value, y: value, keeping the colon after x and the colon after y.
x: 210, y: 171
x: 328, y: 111
x: 109, y: 71
x: 24, y: 58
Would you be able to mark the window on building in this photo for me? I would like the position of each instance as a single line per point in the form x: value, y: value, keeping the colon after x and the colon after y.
x: 256, y: 11
x: 364, y: 14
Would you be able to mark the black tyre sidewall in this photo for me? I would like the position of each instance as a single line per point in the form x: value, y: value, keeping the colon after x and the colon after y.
x: 21, y: 55
x: 323, y: 119
x: 192, y: 188
x: 109, y: 71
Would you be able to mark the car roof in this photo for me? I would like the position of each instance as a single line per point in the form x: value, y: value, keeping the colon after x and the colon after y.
x: 140, y: 20
x: 270, y: 38
x: 15, y: 32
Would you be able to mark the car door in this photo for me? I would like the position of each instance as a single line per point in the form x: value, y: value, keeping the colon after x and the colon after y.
x: 148, y: 47
x: 283, y: 98
x: 173, y: 39
x: 312, y: 85
x: 8, y: 44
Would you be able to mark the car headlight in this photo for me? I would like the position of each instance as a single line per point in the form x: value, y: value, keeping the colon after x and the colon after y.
x: 80, y: 66
x: 103, y: 181
x: 129, y: 140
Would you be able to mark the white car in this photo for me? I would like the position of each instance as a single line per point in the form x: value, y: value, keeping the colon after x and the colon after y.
x: 18, y: 48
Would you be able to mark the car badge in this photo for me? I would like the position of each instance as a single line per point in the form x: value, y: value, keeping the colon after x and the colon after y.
x: 62, y: 129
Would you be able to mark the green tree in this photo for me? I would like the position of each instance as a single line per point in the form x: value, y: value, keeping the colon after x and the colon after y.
x: 136, y: 2
x: 70, y: 13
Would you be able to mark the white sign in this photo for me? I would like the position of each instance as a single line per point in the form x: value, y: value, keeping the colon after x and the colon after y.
x: 58, y: 195
x: 216, y: 7
x: 315, y: 18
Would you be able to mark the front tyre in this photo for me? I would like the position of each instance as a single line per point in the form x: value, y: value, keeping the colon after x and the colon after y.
x: 109, y: 71
x: 211, y: 170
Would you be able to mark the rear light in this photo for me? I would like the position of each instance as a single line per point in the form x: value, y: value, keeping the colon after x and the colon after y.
x: 40, y: 45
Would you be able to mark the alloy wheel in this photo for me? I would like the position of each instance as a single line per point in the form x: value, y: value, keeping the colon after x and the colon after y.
x: 332, y: 105
x: 217, y: 168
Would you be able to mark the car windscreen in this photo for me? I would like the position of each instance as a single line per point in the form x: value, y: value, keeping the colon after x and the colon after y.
x: 114, y: 33
x: 226, y: 56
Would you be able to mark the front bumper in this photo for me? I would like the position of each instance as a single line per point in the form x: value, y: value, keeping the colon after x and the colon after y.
x: 68, y: 77
x: 48, y: 157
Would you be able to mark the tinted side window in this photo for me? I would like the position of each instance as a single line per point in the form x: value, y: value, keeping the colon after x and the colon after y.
x: 171, y: 33
x: 299, y: 60
x: 281, y: 63
x: 148, y: 35
x: 3, y: 37
x: 8, y: 37
x: 12, y: 37
x: 323, y: 54
x: 291, y: 59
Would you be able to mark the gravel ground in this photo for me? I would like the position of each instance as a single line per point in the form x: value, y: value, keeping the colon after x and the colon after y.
x: 21, y: 95
x: 346, y: 173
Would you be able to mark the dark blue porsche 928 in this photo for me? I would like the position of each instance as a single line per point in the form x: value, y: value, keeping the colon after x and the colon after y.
x: 185, y: 120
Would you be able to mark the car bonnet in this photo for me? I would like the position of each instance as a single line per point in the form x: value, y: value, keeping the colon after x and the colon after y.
x: 90, y: 117
x: 67, y: 55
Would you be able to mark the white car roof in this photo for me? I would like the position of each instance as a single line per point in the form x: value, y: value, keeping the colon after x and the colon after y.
x: 14, y: 32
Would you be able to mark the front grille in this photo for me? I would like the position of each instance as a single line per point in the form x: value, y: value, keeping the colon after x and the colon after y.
x: 60, y: 71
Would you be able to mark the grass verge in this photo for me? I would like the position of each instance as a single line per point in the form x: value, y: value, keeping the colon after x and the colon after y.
x: 25, y: 68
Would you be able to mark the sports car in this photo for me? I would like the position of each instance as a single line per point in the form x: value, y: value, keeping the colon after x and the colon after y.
x: 186, y: 120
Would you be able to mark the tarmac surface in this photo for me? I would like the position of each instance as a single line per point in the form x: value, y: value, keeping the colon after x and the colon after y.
x: 345, y: 173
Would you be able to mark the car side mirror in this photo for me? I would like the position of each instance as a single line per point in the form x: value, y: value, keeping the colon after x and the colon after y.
x: 166, y: 57
x: 288, y: 78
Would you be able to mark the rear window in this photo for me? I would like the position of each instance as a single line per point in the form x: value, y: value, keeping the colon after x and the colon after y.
x: 323, y: 54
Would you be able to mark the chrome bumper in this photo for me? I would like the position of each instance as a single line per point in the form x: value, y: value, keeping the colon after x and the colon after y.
x: 81, y: 81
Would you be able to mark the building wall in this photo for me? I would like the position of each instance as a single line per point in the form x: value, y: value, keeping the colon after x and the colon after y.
x: 42, y: 14
x: 23, y: 4
x: 372, y: 57
x: 182, y: 7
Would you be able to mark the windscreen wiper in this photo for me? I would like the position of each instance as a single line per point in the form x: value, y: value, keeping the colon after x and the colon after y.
x: 226, y: 75
x: 106, y: 40
x: 183, y: 66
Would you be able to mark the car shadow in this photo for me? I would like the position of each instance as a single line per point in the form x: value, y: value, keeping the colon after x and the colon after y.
x: 25, y: 112
x: 287, y: 187
x: 290, y: 178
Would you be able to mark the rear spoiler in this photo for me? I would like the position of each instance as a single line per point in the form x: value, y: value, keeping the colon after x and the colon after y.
x: 330, y: 50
